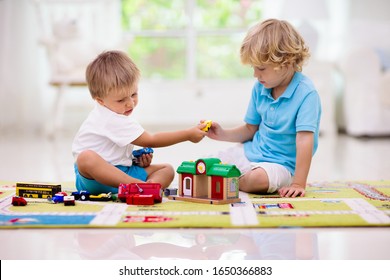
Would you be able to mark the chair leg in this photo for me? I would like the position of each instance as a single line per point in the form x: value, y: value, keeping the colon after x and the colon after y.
x: 56, y: 116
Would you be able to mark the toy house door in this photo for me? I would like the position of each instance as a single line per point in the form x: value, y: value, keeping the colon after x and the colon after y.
x: 187, y: 186
x: 217, y: 187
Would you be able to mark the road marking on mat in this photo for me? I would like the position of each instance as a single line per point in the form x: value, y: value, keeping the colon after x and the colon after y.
x: 367, y: 211
x: 243, y: 214
x: 111, y: 214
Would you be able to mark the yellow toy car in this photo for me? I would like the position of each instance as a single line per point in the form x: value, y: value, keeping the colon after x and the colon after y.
x: 100, y: 197
x: 208, y: 125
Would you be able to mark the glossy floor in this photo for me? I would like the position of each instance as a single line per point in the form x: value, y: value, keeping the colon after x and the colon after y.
x: 36, y: 158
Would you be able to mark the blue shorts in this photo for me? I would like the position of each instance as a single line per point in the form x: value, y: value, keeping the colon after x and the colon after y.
x: 94, y: 187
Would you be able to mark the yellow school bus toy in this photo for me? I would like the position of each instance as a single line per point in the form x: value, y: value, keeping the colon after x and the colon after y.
x: 37, y: 190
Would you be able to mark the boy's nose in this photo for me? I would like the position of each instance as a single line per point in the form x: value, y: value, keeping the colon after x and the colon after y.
x: 130, y: 103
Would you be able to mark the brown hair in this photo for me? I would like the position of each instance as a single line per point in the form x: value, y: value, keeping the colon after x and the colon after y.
x: 274, y: 41
x: 111, y: 71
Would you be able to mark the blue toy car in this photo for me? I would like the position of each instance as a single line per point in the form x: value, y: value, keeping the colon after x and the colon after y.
x: 81, y: 195
x: 57, y: 198
x: 143, y: 151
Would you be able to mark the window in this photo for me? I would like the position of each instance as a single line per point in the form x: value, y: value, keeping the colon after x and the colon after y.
x: 233, y: 185
x: 218, y: 187
x: 189, y: 39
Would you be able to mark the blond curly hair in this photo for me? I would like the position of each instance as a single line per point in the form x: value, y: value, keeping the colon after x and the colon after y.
x: 274, y: 41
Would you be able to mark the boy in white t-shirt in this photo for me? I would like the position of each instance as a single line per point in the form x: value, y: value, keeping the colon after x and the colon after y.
x: 104, y: 143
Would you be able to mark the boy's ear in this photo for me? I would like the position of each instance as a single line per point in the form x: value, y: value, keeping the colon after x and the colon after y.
x: 99, y: 100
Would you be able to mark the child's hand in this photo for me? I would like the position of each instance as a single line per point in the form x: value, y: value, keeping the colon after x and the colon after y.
x: 292, y: 190
x: 145, y: 160
x: 197, y: 133
x: 214, y: 130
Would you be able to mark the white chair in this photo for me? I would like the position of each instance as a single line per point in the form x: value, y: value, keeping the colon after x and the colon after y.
x: 73, y: 33
x: 366, y: 97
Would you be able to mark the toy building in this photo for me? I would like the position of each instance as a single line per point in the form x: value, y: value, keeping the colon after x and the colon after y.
x: 207, y: 180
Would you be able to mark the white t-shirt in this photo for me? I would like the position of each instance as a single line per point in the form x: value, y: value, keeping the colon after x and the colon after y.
x: 108, y: 134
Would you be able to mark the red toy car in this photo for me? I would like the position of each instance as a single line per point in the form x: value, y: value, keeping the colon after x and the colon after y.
x: 18, y: 201
x: 69, y: 200
x: 154, y: 189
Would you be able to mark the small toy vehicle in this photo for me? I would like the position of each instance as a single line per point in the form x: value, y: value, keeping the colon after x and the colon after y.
x: 100, y: 197
x: 57, y: 198
x: 69, y: 200
x: 208, y: 125
x: 168, y: 192
x: 18, y: 201
x: 154, y: 189
x: 81, y: 195
x: 63, y: 193
x: 143, y: 151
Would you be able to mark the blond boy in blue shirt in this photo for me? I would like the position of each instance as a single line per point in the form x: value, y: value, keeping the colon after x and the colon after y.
x: 281, y: 129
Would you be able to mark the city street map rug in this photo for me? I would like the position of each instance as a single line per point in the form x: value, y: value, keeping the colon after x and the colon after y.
x: 326, y: 204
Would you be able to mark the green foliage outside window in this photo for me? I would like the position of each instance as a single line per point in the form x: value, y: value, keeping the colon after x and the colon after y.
x: 161, y: 30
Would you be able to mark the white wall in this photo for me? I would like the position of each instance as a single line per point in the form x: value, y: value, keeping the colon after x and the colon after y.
x: 20, y: 63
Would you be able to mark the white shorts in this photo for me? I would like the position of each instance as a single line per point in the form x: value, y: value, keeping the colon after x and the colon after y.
x: 278, y: 175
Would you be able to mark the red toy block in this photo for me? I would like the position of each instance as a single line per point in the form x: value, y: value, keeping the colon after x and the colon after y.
x: 140, y: 199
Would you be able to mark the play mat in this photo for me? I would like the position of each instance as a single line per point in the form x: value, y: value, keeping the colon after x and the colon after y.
x: 326, y: 204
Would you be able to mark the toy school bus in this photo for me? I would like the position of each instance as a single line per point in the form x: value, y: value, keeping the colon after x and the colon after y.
x: 37, y: 190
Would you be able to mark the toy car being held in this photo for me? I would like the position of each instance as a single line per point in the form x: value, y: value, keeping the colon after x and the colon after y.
x: 18, y: 201
x: 143, y: 151
x: 208, y: 125
x: 125, y: 190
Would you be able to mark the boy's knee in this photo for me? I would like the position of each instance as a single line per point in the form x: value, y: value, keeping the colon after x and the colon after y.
x: 255, y: 181
x: 86, y: 159
x: 170, y: 169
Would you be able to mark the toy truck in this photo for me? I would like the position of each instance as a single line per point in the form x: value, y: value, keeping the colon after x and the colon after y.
x: 125, y: 190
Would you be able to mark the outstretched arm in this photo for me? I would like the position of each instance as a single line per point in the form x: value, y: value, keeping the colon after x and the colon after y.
x: 163, y: 139
x: 305, y: 142
x: 239, y: 134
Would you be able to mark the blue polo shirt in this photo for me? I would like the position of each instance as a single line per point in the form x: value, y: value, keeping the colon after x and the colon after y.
x: 297, y: 109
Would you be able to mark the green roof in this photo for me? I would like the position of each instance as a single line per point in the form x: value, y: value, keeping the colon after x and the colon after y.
x: 224, y: 170
x: 214, y: 167
x: 187, y: 167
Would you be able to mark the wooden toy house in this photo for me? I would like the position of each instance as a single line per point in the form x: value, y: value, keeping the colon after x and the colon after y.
x: 207, y: 180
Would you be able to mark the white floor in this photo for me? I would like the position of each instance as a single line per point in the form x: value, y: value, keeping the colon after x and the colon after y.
x: 35, y: 158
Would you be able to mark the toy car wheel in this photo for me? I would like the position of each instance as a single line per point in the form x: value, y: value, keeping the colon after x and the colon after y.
x: 83, y: 197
